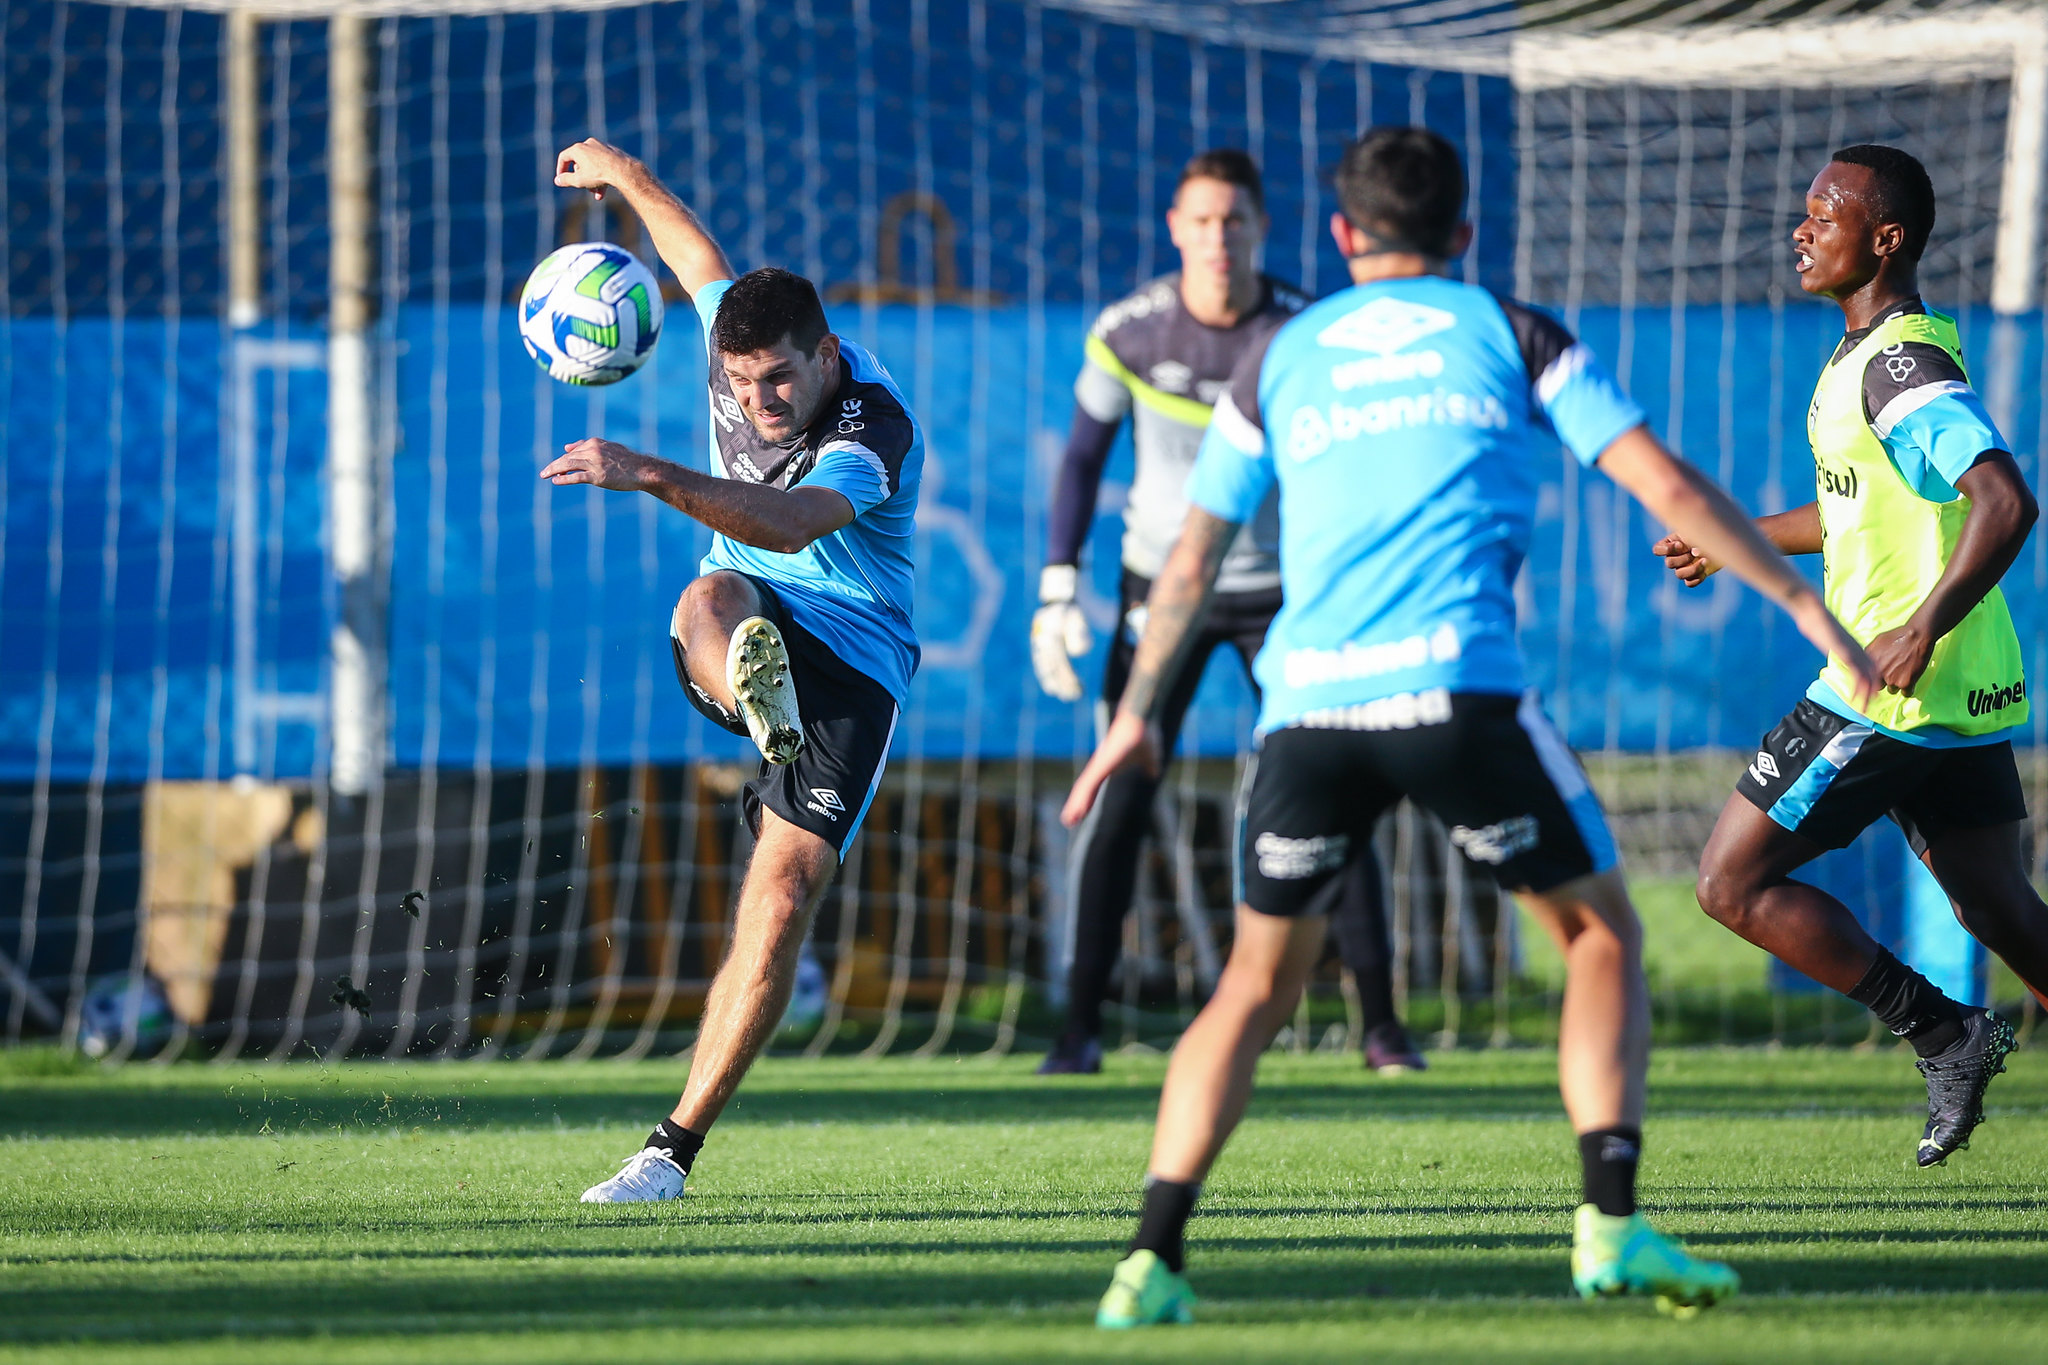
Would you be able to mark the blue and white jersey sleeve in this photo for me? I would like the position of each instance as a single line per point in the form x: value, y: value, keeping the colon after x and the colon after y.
x: 706, y: 301
x: 1580, y: 401
x: 1921, y: 407
x: 1233, y: 470
x: 863, y: 459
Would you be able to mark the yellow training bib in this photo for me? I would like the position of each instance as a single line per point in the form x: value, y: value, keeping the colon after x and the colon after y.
x: 1884, y: 547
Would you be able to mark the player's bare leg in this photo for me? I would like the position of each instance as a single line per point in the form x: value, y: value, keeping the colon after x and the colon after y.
x: 1603, y: 1053
x: 1208, y: 1084
x: 736, y: 657
x: 1603, y: 1040
x: 1745, y: 884
x: 1984, y: 872
x: 1209, y: 1080
x: 786, y: 878
x: 1603, y: 1045
x: 706, y: 615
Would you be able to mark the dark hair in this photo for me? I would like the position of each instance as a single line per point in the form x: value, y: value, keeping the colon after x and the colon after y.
x: 1404, y: 188
x: 1904, y: 193
x: 765, y: 306
x: 1229, y: 165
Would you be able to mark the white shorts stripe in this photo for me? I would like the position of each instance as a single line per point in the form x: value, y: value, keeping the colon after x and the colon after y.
x: 1569, y: 778
x: 874, y: 783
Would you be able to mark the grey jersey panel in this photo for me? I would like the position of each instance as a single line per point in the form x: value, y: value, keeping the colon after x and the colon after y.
x: 1163, y: 351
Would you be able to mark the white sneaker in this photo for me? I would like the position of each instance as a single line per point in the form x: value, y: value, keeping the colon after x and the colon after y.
x: 757, y: 669
x: 648, y: 1176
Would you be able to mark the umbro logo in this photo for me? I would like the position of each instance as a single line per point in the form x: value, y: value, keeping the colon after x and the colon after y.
x: 1386, y: 325
x: 1170, y: 376
x: 726, y: 411
x: 825, y: 802
x: 1764, y: 769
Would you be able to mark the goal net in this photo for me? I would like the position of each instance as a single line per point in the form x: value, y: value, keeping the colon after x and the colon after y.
x: 325, y: 727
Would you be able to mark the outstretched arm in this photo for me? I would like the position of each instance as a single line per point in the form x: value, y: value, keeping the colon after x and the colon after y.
x: 755, y: 514
x: 1180, y: 597
x: 1796, y: 532
x: 2002, y: 511
x: 1699, y: 513
x: 678, y: 235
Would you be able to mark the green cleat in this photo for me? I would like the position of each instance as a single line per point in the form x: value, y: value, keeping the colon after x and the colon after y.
x: 1613, y: 1256
x: 1144, y: 1293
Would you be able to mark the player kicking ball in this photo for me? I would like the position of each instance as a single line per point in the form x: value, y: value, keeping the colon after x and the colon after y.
x: 798, y: 632
x: 1920, y: 511
x: 1400, y: 419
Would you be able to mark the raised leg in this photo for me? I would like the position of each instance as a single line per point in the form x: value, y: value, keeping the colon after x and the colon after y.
x: 705, y: 616
x: 1745, y: 884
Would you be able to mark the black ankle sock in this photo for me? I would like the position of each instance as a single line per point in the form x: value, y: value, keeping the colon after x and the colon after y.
x: 680, y: 1143
x: 1909, y: 1005
x: 1608, y: 1157
x: 1167, y: 1206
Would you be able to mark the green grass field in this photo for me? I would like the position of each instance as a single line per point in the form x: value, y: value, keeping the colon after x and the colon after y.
x: 949, y: 1210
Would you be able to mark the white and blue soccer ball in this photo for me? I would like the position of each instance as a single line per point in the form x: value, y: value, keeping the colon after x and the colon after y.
x: 808, y: 997
x: 123, y: 1007
x: 590, y: 313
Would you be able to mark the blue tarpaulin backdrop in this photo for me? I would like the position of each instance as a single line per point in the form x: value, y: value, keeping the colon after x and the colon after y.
x: 528, y: 623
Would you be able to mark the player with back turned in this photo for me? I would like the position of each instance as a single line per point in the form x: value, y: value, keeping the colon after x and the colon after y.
x: 1159, y: 358
x: 796, y: 634
x: 1402, y: 420
x: 1919, y: 511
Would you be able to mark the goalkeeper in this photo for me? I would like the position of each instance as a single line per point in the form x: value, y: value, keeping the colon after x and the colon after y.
x: 1160, y: 357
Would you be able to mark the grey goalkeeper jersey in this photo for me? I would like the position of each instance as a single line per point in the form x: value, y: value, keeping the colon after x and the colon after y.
x: 1150, y: 360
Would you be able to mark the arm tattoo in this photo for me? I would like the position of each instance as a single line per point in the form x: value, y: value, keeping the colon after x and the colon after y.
x: 1179, y: 601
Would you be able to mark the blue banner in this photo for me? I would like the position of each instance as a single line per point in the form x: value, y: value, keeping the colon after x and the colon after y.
x: 165, y: 608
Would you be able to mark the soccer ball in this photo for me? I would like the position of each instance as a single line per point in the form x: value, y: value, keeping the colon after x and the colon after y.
x: 808, y: 997
x: 590, y: 313
x: 121, y: 1006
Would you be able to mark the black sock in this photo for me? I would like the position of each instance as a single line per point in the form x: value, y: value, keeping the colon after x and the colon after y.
x: 1608, y: 1157
x: 1909, y: 1005
x: 1167, y: 1206
x: 680, y: 1143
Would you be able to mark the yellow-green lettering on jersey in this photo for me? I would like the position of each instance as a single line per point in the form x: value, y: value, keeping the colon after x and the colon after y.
x: 1885, y: 546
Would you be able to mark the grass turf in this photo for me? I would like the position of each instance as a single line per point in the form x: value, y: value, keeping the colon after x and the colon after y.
x: 943, y: 1210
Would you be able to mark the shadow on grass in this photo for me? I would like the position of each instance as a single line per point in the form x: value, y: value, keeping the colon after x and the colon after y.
x: 1333, y: 1244
x: 199, y: 1102
x: 609, y: 1290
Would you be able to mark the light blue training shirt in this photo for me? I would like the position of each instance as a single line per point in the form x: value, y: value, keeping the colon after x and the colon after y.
x: 852, y: 588
x: 1407, y: 423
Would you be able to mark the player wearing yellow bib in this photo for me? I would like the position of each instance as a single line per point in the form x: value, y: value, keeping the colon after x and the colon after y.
x: 1919, y: 512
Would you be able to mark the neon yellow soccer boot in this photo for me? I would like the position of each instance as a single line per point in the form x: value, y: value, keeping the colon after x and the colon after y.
x: 1613, y: 1256
x: 1144, y: 1293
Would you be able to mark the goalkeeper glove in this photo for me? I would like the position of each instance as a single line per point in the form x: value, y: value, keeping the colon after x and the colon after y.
x: 1059, y: 633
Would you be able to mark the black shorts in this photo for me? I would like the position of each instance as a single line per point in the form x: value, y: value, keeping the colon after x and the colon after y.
x: 849, y: 719
x: 1237, y: 619
x: 1492, y: 768
x: 1827, y: 778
